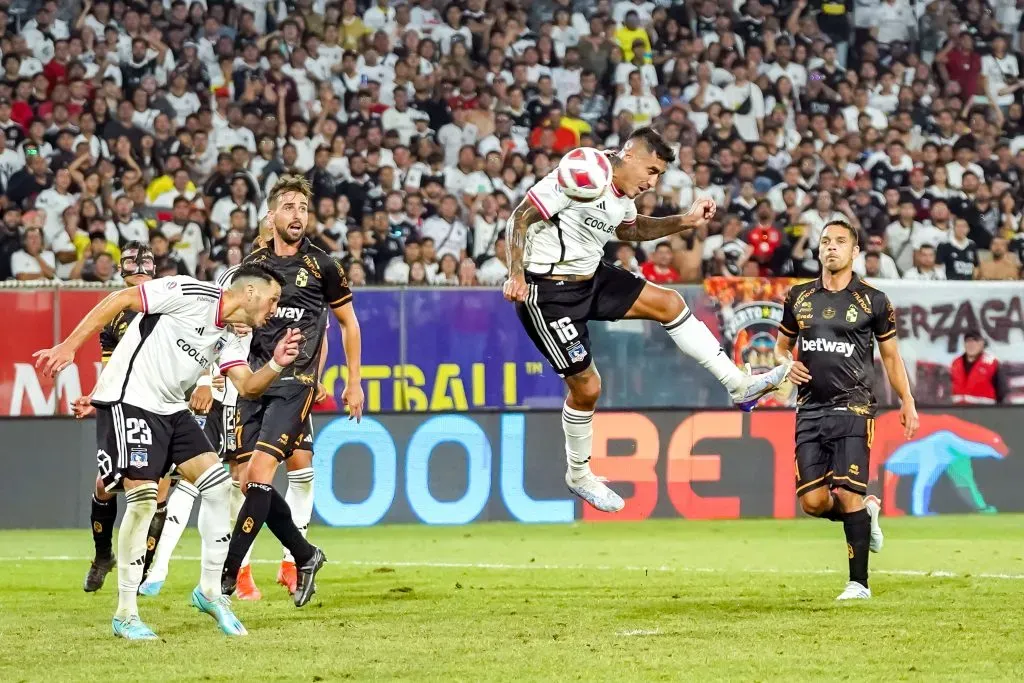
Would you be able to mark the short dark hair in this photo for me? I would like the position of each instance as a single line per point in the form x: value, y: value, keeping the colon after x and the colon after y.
x: 136, y: 246
x: 259, y: 272
x: 843, y: 224
x: 654, y: 142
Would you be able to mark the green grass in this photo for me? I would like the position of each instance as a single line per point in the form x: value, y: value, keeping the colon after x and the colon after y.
x: 666, y: 600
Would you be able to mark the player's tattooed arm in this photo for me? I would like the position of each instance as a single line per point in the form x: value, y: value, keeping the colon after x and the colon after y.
x: 525, y: 215
x: 651, y: 228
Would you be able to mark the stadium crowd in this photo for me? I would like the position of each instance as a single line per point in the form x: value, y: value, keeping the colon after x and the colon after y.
x: 421, y: 124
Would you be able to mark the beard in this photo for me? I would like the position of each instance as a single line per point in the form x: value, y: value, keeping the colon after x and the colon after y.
x: 282, y: 233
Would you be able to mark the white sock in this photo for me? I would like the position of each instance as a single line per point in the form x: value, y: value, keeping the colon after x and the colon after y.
x: 299, y: 497
x: 179, y: 509
x: 695, y: 340
x: 237, y: 498
x: 131, y: 546
x: 214, y: 527
x: 578, y: 426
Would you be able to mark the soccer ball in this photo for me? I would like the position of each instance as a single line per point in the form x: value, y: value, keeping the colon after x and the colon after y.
x: 584, y: 174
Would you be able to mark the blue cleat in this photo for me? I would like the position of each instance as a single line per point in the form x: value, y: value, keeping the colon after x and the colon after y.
x: 151, y: 589
x: 132, y: 628
x: 756, y: 387
x: 220, y: 610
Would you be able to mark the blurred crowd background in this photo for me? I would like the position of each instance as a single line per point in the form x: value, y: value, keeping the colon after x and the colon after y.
x: 422, y: 124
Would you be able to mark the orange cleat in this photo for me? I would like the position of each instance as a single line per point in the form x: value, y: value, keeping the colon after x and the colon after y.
x: 286, y: 576
x: 246, y: 588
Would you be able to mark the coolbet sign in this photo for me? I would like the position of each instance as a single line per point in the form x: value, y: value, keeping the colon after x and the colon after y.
x: 455, y: 469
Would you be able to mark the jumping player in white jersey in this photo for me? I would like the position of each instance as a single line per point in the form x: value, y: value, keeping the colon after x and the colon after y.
x: 143, y: 424
x: 559, y: 283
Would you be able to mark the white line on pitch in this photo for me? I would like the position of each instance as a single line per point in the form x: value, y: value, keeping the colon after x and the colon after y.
x: 940, y: 574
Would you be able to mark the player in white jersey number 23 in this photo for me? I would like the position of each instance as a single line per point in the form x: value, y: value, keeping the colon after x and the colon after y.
x: 143, y: 425
x: 559, y: 282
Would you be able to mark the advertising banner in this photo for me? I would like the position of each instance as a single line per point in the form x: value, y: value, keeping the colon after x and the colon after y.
x: 433, y: 350
x: 457, y: 350
x: 470, y: 467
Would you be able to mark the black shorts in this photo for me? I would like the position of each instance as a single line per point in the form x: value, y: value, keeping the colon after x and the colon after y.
x: 276, y: 424
x: 556, y: 312
x: 833, y: 450
x: 213, y: 425
x: 133, y: 443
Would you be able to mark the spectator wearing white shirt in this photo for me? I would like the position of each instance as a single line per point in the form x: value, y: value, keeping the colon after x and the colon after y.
x: 453, y: 136
x: 899, y: 236
x: 815, y: 219
x: 380, y: 16
x: 236, y: 200
x: 1001, y: 74
x: 642, y: 106
x: 126, y: 225
x: 185, y: 236
x: 886, y: 266
x: 746, y: 101
x: 183, y: 101
x: 32, y: 262
x: 860, y: 106
x: 925, y: 269
x: 487, y: 230
x: 234, y: 133
x: 963, y: 163
x: 791, y: 180
x: 894, y: 21
x: 53, y: 201
x: 450, y: 234
x: 785, y: 67
x: 703, y: 93
x: 400, y: 116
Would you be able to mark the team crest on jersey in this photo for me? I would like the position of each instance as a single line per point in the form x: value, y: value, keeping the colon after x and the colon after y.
x: 828, y: 313
x: 200, y: 420
x: 302, y: 279
x: 139, y: 457
x: 851, y: 314
x: 221, y: 343
x: 576, y: 352
x: 171, y: 284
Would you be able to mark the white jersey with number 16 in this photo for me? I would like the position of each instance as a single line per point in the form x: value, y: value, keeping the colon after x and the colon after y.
x: 571, y: 238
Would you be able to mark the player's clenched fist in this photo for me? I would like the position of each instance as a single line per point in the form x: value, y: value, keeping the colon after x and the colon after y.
x: 704, y: 209
x: 515, y: 288
x: 287, y: 350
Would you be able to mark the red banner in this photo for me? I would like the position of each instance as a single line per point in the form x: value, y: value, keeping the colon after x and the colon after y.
x: 33, y: 317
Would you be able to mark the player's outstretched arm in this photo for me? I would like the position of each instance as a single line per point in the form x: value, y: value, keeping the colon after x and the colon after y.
x: 525, y: 215
x: 252, y: 384
x: 650, y: 228
x: 351, y: 338
x: 51, y: 361
x: 896, y: 371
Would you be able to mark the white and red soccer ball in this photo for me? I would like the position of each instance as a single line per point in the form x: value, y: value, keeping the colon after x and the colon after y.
x: 584, y: 173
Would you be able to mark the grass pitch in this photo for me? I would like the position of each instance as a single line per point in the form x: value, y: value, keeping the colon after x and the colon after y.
x: 659, y: 600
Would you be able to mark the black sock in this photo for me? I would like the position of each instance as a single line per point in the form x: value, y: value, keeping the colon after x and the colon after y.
x: 156, y: 527
x: 835, y: 513
x: 857, y: 526
x: 251, y: 517
x: 103, y: 514
x: 280, y: 522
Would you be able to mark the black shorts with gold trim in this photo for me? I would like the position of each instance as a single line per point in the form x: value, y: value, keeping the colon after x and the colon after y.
x: 833, y: 449
x: 276, y: 425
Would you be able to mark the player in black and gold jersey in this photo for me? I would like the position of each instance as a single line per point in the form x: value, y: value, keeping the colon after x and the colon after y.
x: 137, y: 266
x: 833, y: 324
x: 274, y: 426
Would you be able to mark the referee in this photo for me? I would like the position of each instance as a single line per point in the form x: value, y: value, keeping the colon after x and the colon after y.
x: 833, y: 323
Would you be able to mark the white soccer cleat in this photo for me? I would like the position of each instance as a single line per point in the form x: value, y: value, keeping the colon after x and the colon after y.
x: 855, y: 591
x: 874, y: 507
x: 592, y: 489
x: 755, y: 387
